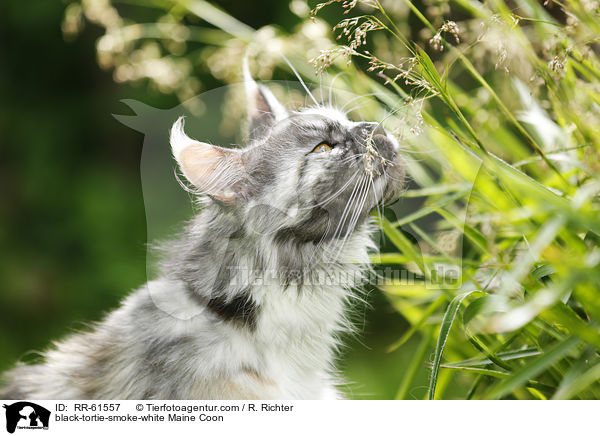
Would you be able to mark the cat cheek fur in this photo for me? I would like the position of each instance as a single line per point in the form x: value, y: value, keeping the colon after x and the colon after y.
x: 251, y: 299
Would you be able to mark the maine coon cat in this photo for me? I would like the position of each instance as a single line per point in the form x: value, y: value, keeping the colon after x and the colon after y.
x: 253, y: 293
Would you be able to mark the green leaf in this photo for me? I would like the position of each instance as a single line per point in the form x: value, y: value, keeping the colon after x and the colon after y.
x: 485, y: 305
x: 419, y: 324
x: 470, y: 232
x: 565, y: 316
x: 576, y: 385
x: 542, y: 273
x: 571, y: 383
x: 504, y: 356
x: 218, y: 18
x: 447, y: 322
x: 437, y: 190
x: 404, y: 245
x: 434, y: 207
x: 483, y: 371
x: 533, y: 368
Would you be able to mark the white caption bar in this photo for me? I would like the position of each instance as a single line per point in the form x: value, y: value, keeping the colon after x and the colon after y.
x: 298, y: 417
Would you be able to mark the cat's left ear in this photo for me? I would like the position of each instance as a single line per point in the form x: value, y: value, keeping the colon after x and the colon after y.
x: 216, y: 171
x: 264, y: 110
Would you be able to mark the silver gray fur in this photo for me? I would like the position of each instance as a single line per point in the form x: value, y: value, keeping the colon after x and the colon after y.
x: 238, y: 311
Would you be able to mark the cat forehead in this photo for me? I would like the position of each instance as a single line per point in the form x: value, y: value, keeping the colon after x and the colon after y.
x: 328, y: 122
x: 330, y: 113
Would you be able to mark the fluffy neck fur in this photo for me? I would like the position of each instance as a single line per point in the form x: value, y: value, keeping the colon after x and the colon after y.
x: 284, y: 298
x: 165, y: 343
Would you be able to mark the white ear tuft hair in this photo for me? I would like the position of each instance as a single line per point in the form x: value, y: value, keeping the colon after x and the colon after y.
x: 246, y: 72
x: 178, y: 139
x: 216, y: 171
x: 264, y: 109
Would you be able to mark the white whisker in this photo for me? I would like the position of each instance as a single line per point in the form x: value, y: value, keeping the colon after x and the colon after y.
x: 335, y: 195
x: 364, y: 191
x: 379, y: 211
x: 331, y: 87
x: 300, y: 80
x: 356, y: 98
x: 347, y: 208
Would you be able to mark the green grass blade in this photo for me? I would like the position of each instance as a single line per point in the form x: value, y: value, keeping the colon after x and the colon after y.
x: 532, y: 369
x: 434, y: 207
x: 504, y: 356
x: 218, y: 18
x: 567, y: 388
x: 419, y: 324
x: 404, y: 245
x: 437, y: 190
x: 447, y: 322
x: 578, y: 384
x: 565, y: 316
x: 483, y: 371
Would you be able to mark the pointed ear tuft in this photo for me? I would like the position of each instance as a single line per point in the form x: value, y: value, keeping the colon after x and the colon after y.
x: 214, y: 170
x: 264, y: 110
x: 178, y: 139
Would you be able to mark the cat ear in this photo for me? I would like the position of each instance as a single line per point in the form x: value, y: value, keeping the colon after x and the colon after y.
x: 263, y: 108
x: 216, y: 171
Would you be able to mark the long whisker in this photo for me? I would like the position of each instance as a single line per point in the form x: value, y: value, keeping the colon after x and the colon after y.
x: 321, y: 95
x: 352, y: 109
x: 379, y: 211
x: 334, y: 195
x: 354, y: 208
x: 300, y: 80
x: 359, y: 210
x: 331, y: 87
x: 380, y: 204
x: 348, y: 207
x: 388, y: 175
x: 320, y: 243
x: 364, y: 192
x: 356, y: 98
x: 351, y: 157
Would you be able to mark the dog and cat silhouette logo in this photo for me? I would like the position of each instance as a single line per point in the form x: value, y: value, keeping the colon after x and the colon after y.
x: 26, y: 415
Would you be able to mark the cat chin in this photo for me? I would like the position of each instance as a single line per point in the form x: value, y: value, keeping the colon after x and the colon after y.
x: 391, y: 184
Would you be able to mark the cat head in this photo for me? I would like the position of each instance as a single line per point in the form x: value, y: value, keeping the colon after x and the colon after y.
x: 309, y: 175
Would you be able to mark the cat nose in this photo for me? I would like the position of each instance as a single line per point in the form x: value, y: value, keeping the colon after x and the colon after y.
x: 379, y: 130
x: 373, y: 128
x: 380, y: 137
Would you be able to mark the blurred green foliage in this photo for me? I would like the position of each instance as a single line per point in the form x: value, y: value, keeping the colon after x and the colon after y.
x: 72, y: 219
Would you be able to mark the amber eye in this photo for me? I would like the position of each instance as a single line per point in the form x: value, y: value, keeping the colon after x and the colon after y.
x: 321, y: 148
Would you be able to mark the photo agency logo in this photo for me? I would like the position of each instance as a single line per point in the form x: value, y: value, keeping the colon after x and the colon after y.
x: 24, y: 415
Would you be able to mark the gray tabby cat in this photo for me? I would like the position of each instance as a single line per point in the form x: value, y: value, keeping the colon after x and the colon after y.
x: 241, y: 310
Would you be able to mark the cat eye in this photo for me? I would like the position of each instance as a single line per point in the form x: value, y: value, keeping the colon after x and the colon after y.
x: 321, y: 148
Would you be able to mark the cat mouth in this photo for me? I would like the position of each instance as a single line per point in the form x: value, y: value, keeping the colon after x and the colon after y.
x: 384, y: 163
x: 392, y: 184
